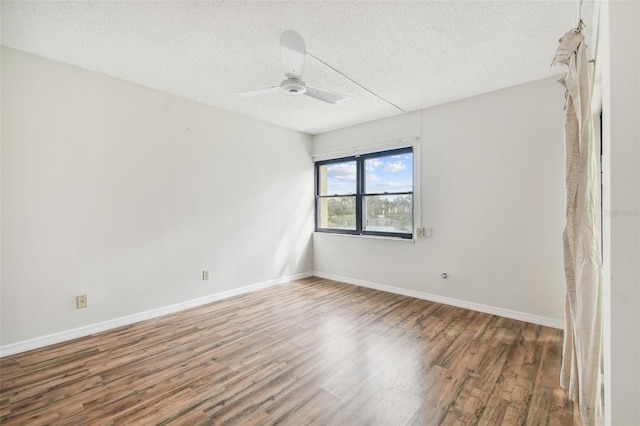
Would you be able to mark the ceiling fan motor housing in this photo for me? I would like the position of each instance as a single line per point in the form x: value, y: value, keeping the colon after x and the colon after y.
x: 293, y: 86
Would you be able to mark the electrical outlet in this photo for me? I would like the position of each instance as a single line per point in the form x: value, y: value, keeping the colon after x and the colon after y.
x: 81, y: 301
x: 205, y: 275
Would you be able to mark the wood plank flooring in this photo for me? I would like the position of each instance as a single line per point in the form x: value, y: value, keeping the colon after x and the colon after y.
x: 311, y: 351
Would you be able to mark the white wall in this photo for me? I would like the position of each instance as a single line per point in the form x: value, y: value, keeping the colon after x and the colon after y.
x: 492, y: 189
x: 126, y: 194
x: 619, y: 57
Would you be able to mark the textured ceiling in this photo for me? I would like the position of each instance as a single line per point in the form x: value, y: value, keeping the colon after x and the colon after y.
x: 413, y: 54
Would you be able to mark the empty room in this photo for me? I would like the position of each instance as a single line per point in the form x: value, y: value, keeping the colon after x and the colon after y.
x: 320, y: 212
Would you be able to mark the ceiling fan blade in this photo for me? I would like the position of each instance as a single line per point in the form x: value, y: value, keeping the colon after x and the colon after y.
x: 326, y: 95
x: 294, y: 54
x: 258, y: 92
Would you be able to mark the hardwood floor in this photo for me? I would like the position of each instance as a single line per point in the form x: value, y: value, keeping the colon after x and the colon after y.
x: 308, y: 352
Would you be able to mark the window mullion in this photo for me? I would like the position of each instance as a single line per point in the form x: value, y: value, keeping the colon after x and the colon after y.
x: 360, y: 191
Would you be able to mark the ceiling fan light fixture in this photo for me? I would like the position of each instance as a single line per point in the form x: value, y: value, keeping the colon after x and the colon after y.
x: 294, y: 54
x: 293, y: 86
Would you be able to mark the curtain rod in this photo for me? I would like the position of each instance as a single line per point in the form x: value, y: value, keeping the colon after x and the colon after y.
x: 581, y: 26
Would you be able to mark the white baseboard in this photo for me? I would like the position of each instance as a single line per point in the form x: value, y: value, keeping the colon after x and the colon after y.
x: 63, y: 336
x: 493, y: 310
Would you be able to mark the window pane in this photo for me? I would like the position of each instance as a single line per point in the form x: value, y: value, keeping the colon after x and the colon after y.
x: 388, y: 213
x: 392, y: 173
x: 337, y: 213
x: 337, y: 178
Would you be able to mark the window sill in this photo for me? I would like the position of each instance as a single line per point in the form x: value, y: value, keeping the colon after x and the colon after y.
x: 367, y: 237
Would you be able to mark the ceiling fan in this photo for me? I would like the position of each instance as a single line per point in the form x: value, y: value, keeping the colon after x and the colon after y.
x: 293, y: 57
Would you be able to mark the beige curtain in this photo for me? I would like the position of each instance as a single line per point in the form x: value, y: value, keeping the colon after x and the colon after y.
x: 582, y: 351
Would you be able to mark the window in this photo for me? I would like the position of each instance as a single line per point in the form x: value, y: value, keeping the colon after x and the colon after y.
x: 370, y: 194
